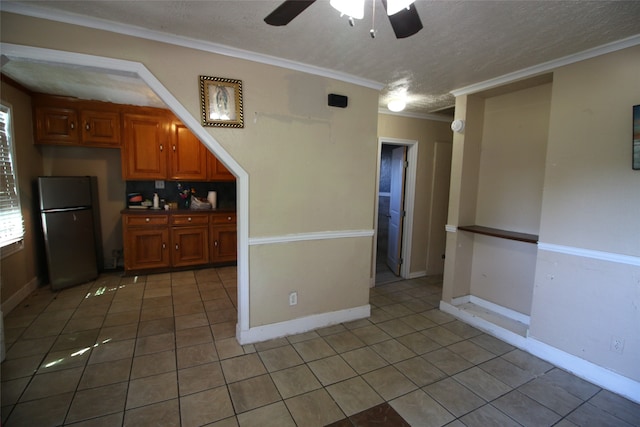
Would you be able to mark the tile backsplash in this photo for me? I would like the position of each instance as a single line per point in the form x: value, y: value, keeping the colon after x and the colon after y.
x: 226, y: 191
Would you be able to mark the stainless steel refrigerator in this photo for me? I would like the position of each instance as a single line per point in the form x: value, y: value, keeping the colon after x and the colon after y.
x: 68, y: 224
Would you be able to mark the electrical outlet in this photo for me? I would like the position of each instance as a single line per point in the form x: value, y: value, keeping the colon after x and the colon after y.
x: 159, y: 185
x: 293, y: 298
x: 617, y: 345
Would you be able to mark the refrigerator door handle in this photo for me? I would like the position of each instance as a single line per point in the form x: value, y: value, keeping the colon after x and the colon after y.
x: 78, y: 208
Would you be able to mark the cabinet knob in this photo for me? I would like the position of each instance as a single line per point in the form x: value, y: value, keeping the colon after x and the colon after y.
x: 87, y: 127
x: 164, y: 246
x: 174, y: 148
x: 176, y: 247
x: 189, y: 219
x: 215, y: 243
x: 161, y: 147
x: 147, y: 219
x: 72, y: 125
x: 228, y: 218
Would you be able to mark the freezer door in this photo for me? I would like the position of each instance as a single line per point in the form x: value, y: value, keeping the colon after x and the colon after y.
x: 57, y: 192
x: 70, y: 247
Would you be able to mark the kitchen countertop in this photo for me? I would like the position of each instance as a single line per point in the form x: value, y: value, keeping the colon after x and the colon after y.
x: 150, y: 211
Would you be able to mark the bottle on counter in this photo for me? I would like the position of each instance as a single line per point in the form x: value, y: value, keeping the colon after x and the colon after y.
x: 156, y: 201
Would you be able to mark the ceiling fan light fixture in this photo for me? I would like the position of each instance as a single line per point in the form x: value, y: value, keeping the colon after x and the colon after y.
x: 396, y: 105
x: 395, y: 6
x: 351, y: 8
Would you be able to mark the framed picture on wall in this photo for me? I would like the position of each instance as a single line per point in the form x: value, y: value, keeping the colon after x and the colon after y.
x: 221, y: 102
x: 636, y: 137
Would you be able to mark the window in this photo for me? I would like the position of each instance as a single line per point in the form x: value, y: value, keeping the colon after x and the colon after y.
x: 11, y: 223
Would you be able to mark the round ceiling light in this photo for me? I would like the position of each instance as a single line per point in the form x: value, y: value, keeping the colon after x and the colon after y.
x: 396, y: 105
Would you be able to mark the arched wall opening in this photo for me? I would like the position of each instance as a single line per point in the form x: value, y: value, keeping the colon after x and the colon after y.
x: 12, y: 52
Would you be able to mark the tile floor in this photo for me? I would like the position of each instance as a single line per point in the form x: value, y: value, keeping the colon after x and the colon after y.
x: 160, y: 351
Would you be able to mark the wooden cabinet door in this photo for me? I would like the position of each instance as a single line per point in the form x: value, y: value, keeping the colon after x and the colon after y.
x: 144, y: 147
x: 101, y: 128
x: 190, y: 246
x: 188, y: 157
x: 56, y: 125
x: 224, y: 243
x: 146, y: 247
x: 216, y: 171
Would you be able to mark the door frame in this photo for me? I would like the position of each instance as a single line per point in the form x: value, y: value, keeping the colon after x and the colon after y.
x: 409, y: 203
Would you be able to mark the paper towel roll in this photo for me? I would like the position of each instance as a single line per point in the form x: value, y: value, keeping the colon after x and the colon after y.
x: 212, y: 198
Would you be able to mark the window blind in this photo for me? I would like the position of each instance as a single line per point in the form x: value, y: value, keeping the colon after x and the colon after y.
x: 11, y: 223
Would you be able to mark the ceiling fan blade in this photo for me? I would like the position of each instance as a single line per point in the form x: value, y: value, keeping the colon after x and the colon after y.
x: 406, y: 22
x: 288, y: 10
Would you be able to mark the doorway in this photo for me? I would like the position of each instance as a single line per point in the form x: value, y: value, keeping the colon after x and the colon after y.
x: 396, y: 185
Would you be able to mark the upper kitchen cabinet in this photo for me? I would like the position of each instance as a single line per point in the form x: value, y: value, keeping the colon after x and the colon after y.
x: 216, y: 171
x: 145, y: 146
x: 188, y: 156
x: 70, y: 121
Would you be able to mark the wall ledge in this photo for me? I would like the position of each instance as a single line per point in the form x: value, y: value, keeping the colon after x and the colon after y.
x: 302, y: 324
x: 584, y: 369
x: 299, y: 237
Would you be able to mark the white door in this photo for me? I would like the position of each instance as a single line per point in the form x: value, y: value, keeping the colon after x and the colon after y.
x: 396, y: 208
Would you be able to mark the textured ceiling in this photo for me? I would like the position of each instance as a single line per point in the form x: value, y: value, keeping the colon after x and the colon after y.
x: 462, y: 43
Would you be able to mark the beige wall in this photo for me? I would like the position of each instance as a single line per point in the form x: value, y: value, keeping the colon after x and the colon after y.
x: 428, y: 239
x: 312, y: 168
x: 591, y: 202
x: 585, y: 271
x: 23, y: 267
x: 510, y: 180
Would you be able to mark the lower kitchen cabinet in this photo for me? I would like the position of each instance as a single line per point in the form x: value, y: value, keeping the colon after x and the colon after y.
x: 162, y: 241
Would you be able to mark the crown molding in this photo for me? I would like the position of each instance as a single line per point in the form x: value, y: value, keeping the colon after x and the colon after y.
x: 130, y: 30
x: 408, y: 114
x: 545, y: 67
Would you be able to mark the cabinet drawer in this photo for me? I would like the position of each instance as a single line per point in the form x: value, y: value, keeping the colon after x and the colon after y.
x: 220, y: 218
x: 189, y: 219
x: 134, y: 220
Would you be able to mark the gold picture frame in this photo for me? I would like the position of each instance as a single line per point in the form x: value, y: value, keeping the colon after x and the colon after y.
x: 221, y: 102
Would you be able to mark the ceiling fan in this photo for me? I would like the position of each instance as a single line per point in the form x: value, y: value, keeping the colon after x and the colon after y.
x: 403, y: 15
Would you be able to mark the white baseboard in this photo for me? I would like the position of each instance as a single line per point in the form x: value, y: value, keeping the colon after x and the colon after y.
x: 417, y: 274
x: 300, y: 325
x: 584, y: 369
x: 14, y: 300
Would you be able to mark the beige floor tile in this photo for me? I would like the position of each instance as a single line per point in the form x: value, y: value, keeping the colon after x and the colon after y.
x: 253, y: 393
x: 295, y: 381
x: 97, y: 402
x: 156, y: 327
x: 417, y: 408
x: 191, y: 321
x: 154, y: 313
x: 18, y: 368
x: 12, y: 390
x: 242, y: 367
x: 121, y: 318
x: 205, y: 407
x: 34, y: 347
x: 279, y: 358
x: 224, y: 330
x: 83, y: 324
x: 153, y: 364
x: 389, y: 383
x: 51, y: 384
x: 76, y: 341
x: 418, y: 343
x: 371, y: 334
x: 455, y: 397
x: 154, y: 389
x: 364, y: 360
x: 49, y: 411
x: 155, y: 344
x: 314, y: 349
x: 481, y: 383
x: 58, y: 360
x: 274, y: 415
x: 102, y: 374
x: 112, y: 351
x: 228, y: 348
x: 392, y: 351
x: 314, y: 409
x: 396, y: 328
x: 193, y: 336
x: 420, y: 371
x: 187, y: 307
x: 447, y: 361
x: 161, y: 414
x: 118, y: 333
x: 104, y: 421
x: 354, y: 395
x: 344, y: 341
x: 200, y: 378
x: 331, y: 370
x: 196, y: 355
x: 472, y: 352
